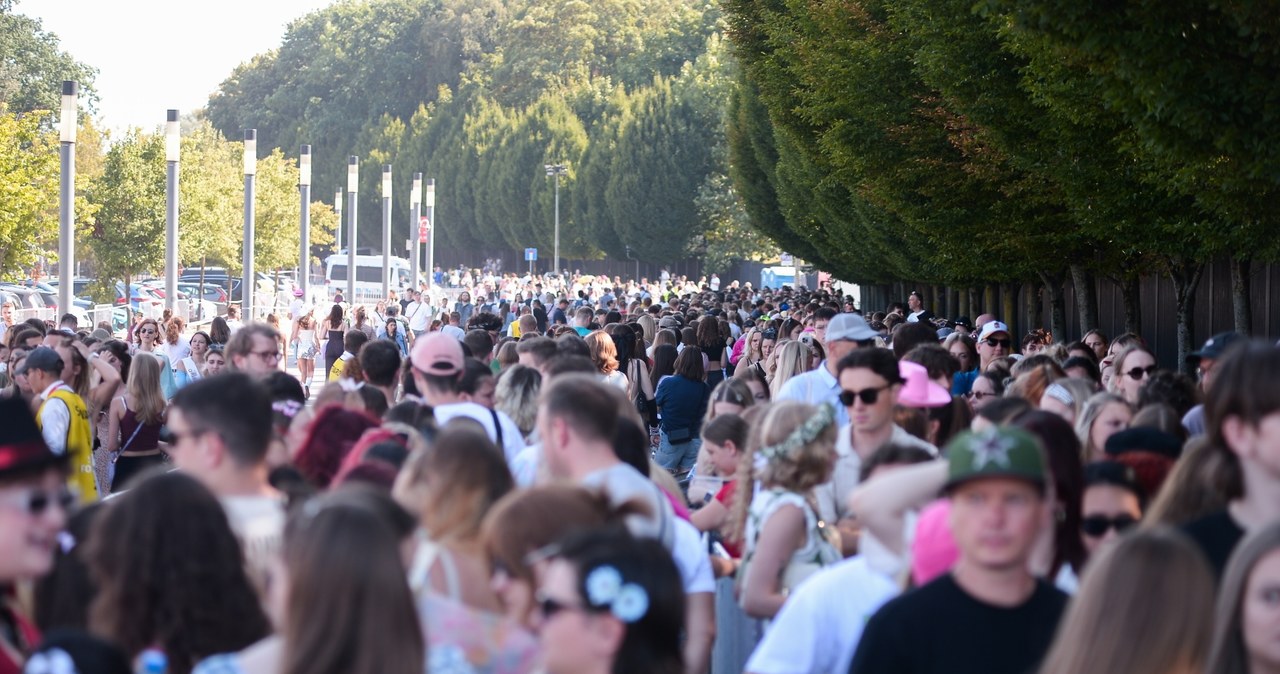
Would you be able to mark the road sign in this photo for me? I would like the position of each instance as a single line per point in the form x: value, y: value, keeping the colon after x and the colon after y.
x: 530, y: 254
x: 424, y: 226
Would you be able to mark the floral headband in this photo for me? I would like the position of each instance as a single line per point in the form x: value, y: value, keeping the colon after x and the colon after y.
x: 802, y: 435
x: 627, y: 602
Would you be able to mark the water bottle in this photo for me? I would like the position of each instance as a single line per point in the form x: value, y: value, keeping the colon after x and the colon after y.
x: 153, y: 661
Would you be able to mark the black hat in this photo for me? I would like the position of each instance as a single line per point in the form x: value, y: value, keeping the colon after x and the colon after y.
x: 962, y: 321
x: 22, y: 448
x: 1214, y: 347
x: 1144, y: 439
x: 41, y: 358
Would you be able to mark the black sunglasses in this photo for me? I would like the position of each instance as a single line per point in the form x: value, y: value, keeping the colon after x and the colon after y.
x: 992, y: 341
x: 1097, y: 525
x: 868, y: 396
x: 548, y: 607
x: 39, y: 500
x: 1138, y: 373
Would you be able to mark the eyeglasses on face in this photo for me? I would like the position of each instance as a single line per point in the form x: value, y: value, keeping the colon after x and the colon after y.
x: 35, y: 502
x: 981, y: 395
x: 868, y: 396
x: 1098, y: 525
x: 1138, y: 373
x: 266, y: 355
x: 1002, y: 343
x: 548, y: 607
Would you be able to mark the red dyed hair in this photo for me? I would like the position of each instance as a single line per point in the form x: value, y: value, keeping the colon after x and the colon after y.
x: 332, y: 435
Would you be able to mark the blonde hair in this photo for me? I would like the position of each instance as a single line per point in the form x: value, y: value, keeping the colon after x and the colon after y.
x: 799, y: 469
x: 1228, y: 654
x: 1125, y: 619
x: 1089, y: 415
x: 1117, y: 365
x: 603, y: 352
x: 792, y: 357
x: 144, y: 389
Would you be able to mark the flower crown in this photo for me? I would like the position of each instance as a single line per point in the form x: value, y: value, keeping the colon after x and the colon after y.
x: 802, y: 435
x: 628, y: 602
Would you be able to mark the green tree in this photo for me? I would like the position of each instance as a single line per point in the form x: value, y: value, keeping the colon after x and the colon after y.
x: 128, y: 232
x: 29, y: 185
x: 33, y: 66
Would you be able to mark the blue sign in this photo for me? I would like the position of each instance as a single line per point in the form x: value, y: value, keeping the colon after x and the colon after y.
x: 530, y: 254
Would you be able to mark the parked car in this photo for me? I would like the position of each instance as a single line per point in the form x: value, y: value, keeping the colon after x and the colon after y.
x: 140, y: 297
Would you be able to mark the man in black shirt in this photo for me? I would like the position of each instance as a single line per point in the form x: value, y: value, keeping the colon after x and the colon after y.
x: 989, y: 615
x: 1242, y: 421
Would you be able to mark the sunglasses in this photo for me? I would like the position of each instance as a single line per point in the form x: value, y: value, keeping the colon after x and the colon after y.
x: 147, y: 331
x: 981, y: 395
x: 1002, y: 343
x: 548, y: 607
x: 1098, y: 525
x: 36, y: 501
x: 868, y: 396
x: 1138, y: 373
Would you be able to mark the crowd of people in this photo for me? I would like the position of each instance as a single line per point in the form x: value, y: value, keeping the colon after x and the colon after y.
x: 589, y: 475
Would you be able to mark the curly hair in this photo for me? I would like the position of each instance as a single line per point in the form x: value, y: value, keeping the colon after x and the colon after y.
x: 333, y: 432
x: 170, y: 573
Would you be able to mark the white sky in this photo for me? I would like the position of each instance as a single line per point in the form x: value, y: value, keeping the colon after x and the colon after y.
x: 153, y: 55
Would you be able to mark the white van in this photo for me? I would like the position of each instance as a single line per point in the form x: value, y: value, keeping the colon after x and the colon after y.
x: 368, y: 275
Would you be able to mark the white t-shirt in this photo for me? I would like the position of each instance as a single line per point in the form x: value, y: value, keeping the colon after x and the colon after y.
x: 691, y: 558
x: 511, y: 439
x: 832, y: 496
x: 813, y: 632
x: 419, y: 316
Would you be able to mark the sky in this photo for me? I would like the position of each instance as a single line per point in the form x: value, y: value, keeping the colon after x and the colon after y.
x: 154, y: 55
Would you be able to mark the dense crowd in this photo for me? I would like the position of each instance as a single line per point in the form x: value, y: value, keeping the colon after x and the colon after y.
x: 589, y: 475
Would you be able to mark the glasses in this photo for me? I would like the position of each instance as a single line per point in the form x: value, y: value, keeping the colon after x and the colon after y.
x: 868, y: 396
x: 1138, y: 373
x: 548, y: 606
x: 1002, y: 343
x: 266, y: 355
x: 36, y: 501
x: 172, y: 437
x: 1098, y: 525
x: 981, y: 395
x: 147, y: 331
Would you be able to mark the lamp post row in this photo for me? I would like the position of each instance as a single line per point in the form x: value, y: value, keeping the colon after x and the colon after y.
x: 68, y: 122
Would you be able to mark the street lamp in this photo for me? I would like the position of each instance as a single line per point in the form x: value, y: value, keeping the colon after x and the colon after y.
x: 250, y: 172
x: 172, y: 150
x: 386, y: 231
x: 353, y: 186
x: 431, y: 235
x: 415, y: 228
x: 304, y: 221
x: 67, y: 196
x: 556, y: 170
x: 337, y: 209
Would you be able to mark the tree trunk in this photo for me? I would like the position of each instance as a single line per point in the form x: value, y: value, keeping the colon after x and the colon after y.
x: 1086, y: 298
x: 1035, y: 306
x: 988, y: 300
x: 1008, y: 309
x: 1241, y: 309
x: 1185, y: 277
x: 963, y: 309
x: 1057, y: 307
x: 1130, y: 297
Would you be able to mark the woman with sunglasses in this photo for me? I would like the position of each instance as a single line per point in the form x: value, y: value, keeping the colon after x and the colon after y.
x: 147, y: 341
x: 1133, y: 367
x: 1111, y: 504
x: 612, y: 603
x: 33, y: 509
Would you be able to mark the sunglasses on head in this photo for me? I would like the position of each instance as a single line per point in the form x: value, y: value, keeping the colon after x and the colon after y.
x: 993, y: 342
x: 868, y: 396
x: 1140, y: 372
x: 1098, y: 525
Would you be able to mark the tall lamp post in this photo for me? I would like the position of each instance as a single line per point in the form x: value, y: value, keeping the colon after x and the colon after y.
x: 431, y: 235
x: 250, y: 172
x: 67, y: 197
x: 172, y: 150
x: 304, y: 222
x: 415, y: 228
x: 353, y: 186
x: 386, y: 231
x: 337, y: 209
x: 557, y: 170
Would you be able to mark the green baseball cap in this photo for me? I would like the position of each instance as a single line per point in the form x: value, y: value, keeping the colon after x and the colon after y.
x: 996, y: 452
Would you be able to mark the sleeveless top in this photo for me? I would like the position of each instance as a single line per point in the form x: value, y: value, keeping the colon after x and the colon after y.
x: 145, y: 437
x: 816, y: 553
x: 79, y: 444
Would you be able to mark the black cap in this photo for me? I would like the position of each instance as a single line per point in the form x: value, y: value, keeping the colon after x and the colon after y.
x: 41, y: 358
x: 1214, y: 347
x: 962, y: 321
x: 1144, y: 439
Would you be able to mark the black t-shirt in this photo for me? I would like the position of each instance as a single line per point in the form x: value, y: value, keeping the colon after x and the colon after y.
x: 1217, y: 535
x: 941, y: 628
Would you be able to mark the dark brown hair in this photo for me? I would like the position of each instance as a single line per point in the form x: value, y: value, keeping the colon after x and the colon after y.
x: 170, y: 573
x: 689, y: 364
